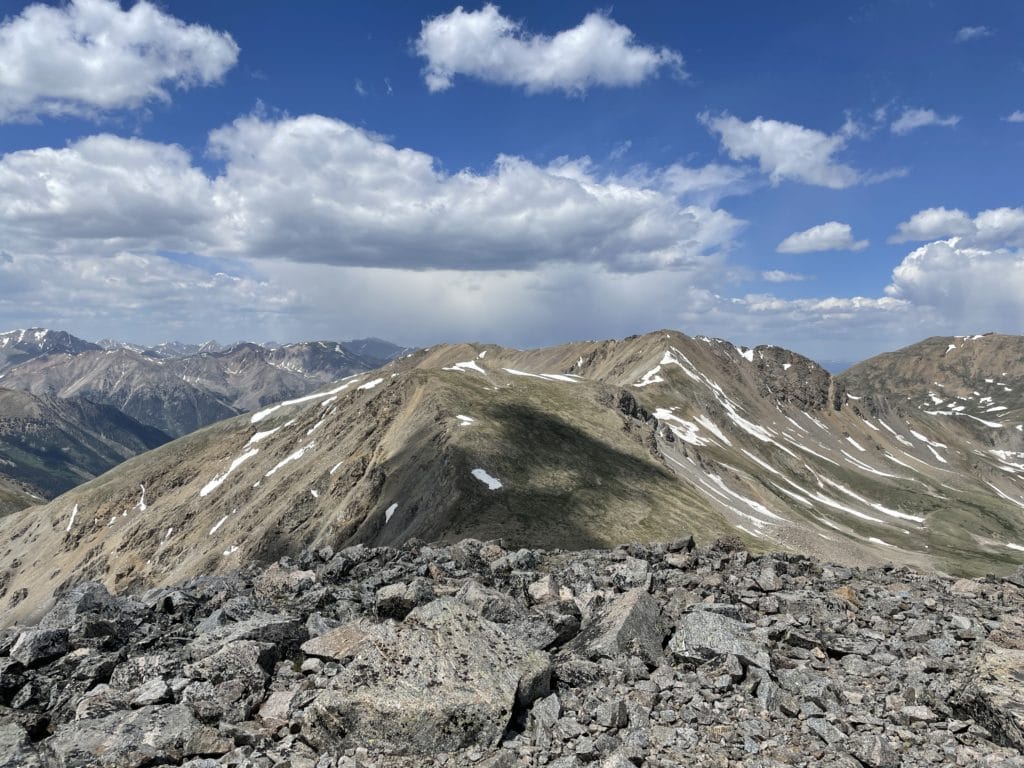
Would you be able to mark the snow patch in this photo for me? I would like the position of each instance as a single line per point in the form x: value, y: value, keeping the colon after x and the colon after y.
x: 469, y: 365
x: 371, y: 384
x: 389, y: 512
x: 490, y: 481
x: 74, y: 514
x: 651, y: 377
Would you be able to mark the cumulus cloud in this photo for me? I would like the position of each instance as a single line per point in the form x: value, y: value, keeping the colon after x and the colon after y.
x: 966, y: 34
x: 1015, y: 117
x: 313, y: 188
x: 106, y: 194
x: 974, y: 287
x: 830, y: 236
x: 997, y: 227
x: 89, y: 57
x: 790, y: 152
x: 913, y: 118
x: 494, y: 48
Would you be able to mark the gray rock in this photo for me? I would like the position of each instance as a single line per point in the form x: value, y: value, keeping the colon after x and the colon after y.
x: 37, y: 646
x: 441, y: 681
x: 138, y: 670
x: 154, y: 691
x: 703, y: 635
x: 236, y: 678
x: 612, y: 714
x: 875, y: 751
x: 631, y: 623
x: 100, y: 702
x: 285, y: 631
x: 489, y: 603
x: 993, y: 688
x: 132, y: 739
x: 16, y: 749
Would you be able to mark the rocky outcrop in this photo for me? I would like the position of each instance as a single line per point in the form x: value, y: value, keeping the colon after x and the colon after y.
x: 639, y: 656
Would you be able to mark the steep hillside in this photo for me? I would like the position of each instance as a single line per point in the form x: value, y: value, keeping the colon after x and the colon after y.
x: 582, y: 445
x: 49, y: 445
x: 15, y: 495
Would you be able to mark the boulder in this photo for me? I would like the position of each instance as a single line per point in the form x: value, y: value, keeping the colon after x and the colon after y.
x: 132, y: 739
x: 631, y: 623
x: 994, y: 689
x: 703, y: 635
x: 37, y: 646
x: 442, y: 680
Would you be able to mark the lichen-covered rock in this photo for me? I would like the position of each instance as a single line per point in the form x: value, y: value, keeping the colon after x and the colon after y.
x: 440, y: 681
x: 132, y: 739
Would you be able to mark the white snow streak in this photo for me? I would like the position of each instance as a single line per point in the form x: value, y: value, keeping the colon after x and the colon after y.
x: 261, y: 415
x: 214, y: 484
x: 292, y: 457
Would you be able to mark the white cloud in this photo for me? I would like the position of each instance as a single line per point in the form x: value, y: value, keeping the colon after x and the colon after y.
x: 104, y: 194
x: 709, y: 183
x: 779, y: 276
x: 830, y: 236
x: 994, y: 228
x: 90, y: 57
x: 491, y: 47
x: 966, y: 34
x: 142, y: 295
x: 933, y: 223
x: 790, y: 152
x: 912, y: 118
x: 1015, y: 117
x: 316, y: 189
x: 965, y: 287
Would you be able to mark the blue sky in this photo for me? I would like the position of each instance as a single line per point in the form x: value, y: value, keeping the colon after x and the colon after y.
x: 834, y: 178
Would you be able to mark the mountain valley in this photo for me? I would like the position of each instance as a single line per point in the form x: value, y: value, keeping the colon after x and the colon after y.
x: 585, y: 445
x: 162, y: 392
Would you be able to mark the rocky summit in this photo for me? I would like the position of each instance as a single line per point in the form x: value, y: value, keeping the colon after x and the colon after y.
x: 476, y: 654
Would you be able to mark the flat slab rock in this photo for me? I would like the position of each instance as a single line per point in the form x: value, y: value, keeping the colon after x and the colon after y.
x: 443, y: 679
x: 705, y: 634
x: 132, y: 739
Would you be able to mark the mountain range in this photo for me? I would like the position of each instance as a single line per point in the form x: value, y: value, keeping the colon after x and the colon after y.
x: 143, y: 395
x: 915, y: 457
